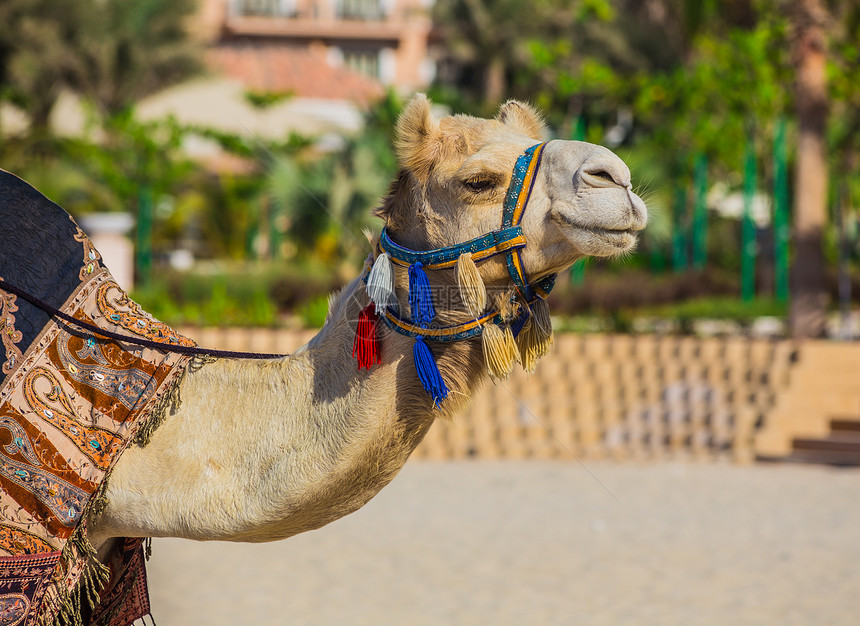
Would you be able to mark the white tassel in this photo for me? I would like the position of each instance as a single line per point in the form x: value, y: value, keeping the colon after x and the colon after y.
x: 380, y: 283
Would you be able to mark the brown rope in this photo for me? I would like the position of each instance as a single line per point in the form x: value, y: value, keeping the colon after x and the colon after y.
x: 157, y: 345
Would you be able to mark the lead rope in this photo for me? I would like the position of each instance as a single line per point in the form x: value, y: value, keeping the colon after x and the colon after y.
x: 146, y: 343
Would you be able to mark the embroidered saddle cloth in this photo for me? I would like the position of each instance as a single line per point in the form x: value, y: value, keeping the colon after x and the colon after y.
x: 70, y: 403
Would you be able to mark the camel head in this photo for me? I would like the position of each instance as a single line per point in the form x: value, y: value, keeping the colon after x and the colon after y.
x: 455, y: 173
x: 499, y: 212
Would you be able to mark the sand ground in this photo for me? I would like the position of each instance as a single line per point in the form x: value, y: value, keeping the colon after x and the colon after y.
x: 544, y: 543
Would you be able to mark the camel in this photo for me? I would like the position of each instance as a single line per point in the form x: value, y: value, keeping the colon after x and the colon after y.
x: 262, y: 450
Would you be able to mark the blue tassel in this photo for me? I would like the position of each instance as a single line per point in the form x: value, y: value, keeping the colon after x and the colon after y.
x: 428, y: 371
x: 420, y: 298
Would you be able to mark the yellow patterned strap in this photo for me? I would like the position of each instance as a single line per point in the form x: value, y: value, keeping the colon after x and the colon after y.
x: 516, y: 201
x: 448, y: 333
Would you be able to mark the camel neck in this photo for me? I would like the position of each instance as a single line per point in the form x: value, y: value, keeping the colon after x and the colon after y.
x: 460, y: 362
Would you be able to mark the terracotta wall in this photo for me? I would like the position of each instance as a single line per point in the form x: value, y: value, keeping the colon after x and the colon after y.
x: 611, y: 396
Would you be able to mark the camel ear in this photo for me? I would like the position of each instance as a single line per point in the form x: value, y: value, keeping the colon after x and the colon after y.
x: 522, y: 117
x: 417, y: 137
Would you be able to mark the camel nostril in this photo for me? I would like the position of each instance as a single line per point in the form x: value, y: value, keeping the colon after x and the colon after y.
x: 603, y: 175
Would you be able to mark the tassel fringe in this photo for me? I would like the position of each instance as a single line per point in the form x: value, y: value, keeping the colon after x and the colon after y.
x: 420, y: 298
x: 472, y: 289
x: 365, y: 348
x: 536, y: 338
x: 541, y: 316
x: 533, y: 345
x: 380, y: 283
x: 63, y: 606
x: 428, y: 371
x: 500, y: 350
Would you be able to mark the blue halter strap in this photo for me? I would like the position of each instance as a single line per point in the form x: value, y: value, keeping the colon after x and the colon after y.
x: 508, y: 240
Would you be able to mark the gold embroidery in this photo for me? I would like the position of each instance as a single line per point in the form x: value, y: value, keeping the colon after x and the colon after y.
x: 8, y: 333
x: 92, y: 258
x: 54, y: 406
x: 119, y: 309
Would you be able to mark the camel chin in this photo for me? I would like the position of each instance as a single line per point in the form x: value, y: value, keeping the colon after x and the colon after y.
x: 601, y: 242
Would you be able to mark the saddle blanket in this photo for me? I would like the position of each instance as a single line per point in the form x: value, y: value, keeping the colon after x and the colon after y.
x: 70, y: 403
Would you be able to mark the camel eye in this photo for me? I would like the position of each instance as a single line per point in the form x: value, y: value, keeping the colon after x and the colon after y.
x: 479, y: 184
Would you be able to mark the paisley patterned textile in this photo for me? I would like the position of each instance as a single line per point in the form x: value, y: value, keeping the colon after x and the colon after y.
x: 70, y: 404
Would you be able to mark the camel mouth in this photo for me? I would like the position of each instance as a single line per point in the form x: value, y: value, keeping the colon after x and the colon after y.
x: 614, y: 240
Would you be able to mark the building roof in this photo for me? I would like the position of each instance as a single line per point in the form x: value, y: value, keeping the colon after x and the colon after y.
x: 279, y: 68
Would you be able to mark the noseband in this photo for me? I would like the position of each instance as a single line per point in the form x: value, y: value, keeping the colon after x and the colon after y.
x: 508, y: 240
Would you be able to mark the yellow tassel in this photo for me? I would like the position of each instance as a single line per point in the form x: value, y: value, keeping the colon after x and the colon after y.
x: 533, y: 345
x: 535, y: 339
x: 472, y: 289
x: 540, y: 314
x: 500, y: 350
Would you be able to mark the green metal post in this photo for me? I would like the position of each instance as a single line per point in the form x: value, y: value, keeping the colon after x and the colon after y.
x: 274, y: 233
x: 748, y: 243
x: 700, y: 213
x: 679, y: 231
x: 578, y: 131
x: 143, y: 243
x: 577, y: 270
x: 658, y: 260
x: 781, y: 231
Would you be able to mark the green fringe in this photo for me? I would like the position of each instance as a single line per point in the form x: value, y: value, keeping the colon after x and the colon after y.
x: 64, y: 609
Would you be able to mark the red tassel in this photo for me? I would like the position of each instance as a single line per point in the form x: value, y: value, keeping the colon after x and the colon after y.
x: 366, y: 346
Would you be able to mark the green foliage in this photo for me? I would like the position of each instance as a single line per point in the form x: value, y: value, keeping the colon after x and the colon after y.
x: 111, y: 52
x: 220, y: 300
x: 313, y: 313
x: 680, y: 316
x: 321, y: 203
x: 722, y: 308
x: 265, y: 99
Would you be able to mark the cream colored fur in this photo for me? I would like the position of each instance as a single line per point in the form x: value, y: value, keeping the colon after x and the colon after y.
x: 259, y: 451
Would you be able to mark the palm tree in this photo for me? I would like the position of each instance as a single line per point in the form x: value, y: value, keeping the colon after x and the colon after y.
x: 113, y: 52
x: 36, y: 37
x: 128, y: 50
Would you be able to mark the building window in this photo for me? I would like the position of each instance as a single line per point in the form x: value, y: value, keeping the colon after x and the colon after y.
x: 360, y: 9
x: 363, y: 61
x: 267, y: 8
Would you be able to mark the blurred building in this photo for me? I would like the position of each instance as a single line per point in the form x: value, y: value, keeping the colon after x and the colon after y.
x: 281, y: 66
x: 305, y: 66
x: 270, y: 43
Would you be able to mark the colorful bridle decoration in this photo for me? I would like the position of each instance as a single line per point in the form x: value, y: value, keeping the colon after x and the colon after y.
x: 525, y: 336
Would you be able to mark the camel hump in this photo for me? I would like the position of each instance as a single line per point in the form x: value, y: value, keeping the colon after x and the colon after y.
x: 42, y: 251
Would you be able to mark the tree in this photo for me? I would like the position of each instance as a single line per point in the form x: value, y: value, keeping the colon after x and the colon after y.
x: 809, y: 298
x: 128, y: 50
x: 112, y: 52
x: 488, y: 41
x: 36, y: 43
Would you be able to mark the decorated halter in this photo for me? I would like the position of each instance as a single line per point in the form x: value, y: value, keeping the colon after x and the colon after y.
x: 524, y: 336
